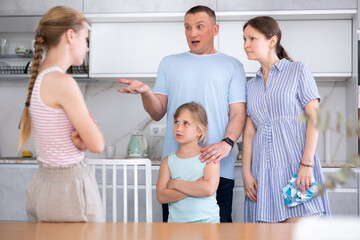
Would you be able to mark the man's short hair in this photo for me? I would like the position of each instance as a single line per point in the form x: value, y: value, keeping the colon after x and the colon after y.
x: 201, y: 8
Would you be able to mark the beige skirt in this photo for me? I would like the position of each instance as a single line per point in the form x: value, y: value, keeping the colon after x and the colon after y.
x: 63, y: 194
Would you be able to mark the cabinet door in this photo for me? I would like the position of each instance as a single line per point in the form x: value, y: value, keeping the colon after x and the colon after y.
x: 13, y: 181
x: 133, y: 49
x: 122, y: 49
x: 238, y: 197
x: 258, y: 5
x: 344, y: 199
x: 24, y: 7
x: 325, y: 45
x: 130, y: 6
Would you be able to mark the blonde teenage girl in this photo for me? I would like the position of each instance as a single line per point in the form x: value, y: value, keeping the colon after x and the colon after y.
x: 63, y: 189
x: 186, y: 183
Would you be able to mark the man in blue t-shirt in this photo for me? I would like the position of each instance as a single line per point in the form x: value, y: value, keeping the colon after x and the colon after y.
x: 213, y: 79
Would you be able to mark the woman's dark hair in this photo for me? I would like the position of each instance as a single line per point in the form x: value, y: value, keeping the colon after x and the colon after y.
x: 269, y: 27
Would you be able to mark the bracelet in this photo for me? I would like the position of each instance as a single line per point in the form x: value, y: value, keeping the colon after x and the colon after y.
x: 307, y: 165
x: 228, y: 141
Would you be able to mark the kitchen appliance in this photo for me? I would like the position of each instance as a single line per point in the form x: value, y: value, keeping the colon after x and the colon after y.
x: 137, y: 147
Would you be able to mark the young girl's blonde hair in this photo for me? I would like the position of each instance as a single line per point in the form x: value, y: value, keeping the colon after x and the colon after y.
x: 199, y: 114
x: 52, y: 26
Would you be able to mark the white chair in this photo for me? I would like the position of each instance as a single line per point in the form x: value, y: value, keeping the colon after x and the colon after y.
x: 124, y: 164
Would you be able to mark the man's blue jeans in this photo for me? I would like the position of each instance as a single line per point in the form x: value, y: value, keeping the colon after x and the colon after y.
x: 224, y: 197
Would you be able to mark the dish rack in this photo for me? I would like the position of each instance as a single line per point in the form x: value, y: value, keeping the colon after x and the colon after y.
x: 12, y: 69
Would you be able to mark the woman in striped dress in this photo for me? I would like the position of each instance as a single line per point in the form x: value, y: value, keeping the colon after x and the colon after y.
x: 276, y: 144
x: 63, y: 189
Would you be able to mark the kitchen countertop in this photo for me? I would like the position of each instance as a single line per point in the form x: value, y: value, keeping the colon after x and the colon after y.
x: 31, y: 160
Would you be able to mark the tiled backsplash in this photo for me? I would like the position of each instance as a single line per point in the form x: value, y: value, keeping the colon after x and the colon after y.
x: 120, y: 115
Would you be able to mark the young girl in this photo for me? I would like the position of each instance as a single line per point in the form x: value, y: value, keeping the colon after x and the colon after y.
x: 187, y: 184
x: 63, y: 189
x: 275, y: 144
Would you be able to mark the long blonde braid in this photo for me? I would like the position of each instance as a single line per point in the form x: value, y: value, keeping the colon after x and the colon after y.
x: 53, y: 24
x: 25, y: 125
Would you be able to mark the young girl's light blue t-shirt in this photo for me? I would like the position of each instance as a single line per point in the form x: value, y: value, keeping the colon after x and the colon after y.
x: 213, y: 80
x: 191, y: 208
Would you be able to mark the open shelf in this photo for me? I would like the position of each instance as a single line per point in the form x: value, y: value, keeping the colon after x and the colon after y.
x: 29, y: 55
x: 4, y: 77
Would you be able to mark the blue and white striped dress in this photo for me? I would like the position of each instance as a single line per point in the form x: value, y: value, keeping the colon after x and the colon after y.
x: 279, y: 141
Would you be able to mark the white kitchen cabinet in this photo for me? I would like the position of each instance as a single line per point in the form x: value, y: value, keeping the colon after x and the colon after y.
x: 257, y: 5
x: 344, y: 200
x: 133, y: 49
x: 128, y: 49
x: 15, y: 177
x: 13, y: 181
x: 24, y: 7
x: 325, y: 45
x: 130, y: 6
x: 358, y: 19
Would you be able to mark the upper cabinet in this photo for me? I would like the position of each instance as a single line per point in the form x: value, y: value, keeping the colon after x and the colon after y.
x: 130, y: 49
x: 129, y: 38
x: 133, y: 49
x: 325, y: 45
x: 358, y: 20
x: 266, y: 5
x: 35, y: 7
x: 131, y: 6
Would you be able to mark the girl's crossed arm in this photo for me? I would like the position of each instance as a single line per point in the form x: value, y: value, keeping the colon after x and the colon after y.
x: 165, y: 195
x: 67, y: 94
x: 204, y: 187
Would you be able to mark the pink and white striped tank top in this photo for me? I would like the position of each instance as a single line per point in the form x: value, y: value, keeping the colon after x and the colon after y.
x: 52, y: 130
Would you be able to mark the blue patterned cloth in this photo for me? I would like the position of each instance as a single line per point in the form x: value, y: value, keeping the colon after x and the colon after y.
x: 294, y: 197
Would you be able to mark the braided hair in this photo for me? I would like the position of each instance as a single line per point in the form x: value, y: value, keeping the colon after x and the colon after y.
x: 52, y: 25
